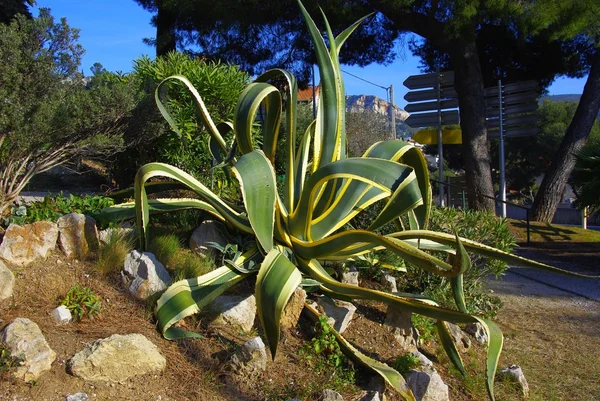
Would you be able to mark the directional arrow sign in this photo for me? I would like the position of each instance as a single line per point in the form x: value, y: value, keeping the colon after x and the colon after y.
x: 430, y: 119
x: 509, y: 110
x: 430, y: 94
x: 429, y: 106
x: 514, y: 120
x: 430, y: 137
x: 429, y: 80
x: 513, y: 99
x: 513, y: 132
x: 512, y: 88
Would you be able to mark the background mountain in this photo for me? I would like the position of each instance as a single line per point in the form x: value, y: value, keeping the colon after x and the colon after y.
x: 370, y: 103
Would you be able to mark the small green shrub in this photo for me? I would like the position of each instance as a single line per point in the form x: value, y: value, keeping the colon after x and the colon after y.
x: 188, y: 264
x: 406, y: 362
x: 52, y: 207
x: 478, y: 226
x: 8, y: 362
x: 82, y: 302
x: 111, y: 255
x: 425, y: 327
x: 164, y: 247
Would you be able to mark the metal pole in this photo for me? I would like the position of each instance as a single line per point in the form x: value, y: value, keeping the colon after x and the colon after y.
x: 584, y: 218
x: 392, y: 112
x: 502, y: 172
x: 440, y: 148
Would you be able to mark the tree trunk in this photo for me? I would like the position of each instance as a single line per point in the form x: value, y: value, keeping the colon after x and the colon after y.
x: 469, y: 86
x: 555, y: 178
x: 165, y: 30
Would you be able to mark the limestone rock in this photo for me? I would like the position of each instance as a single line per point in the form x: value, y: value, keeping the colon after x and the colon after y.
x: 62, y: 315
x: 477, y: 331
x: 350, y: 276
x: 104, y: 236
x: 23, y: 244
x: 24, y: 338
x: 250, y: 360
x: 7, y: 282
x: 389, y: 283
x: 236, y: 310
x: 293, y: 309
x: 208, y: 231
x: 372, y: 396
x: 77, y: 235
x: 330, y: 395
x: 463, y: 342
x: 426, y: 384
x: 514, y: 374
x: 77, y: 397
x: 144, y: 275
x: 401, y: 323
x: 340, y: 312
x: 117, y: 358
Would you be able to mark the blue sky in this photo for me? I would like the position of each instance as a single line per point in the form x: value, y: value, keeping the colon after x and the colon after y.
x: 112, y: 33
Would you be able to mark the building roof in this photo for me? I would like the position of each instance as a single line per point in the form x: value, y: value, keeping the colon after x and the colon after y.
x: 307, y: 94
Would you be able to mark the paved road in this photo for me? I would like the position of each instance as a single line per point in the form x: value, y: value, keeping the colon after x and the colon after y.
x: 528, y: 281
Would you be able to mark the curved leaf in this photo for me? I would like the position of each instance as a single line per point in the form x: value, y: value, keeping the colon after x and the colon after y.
x: 276, y: 281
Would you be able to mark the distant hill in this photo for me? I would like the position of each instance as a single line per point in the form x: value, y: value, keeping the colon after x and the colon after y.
x: 562, y: 98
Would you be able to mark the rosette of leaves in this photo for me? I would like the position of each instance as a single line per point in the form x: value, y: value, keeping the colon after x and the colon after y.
x: 307, y: 225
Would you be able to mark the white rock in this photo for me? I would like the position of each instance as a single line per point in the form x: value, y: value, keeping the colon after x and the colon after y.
x: 208, y: 231
x: 372, y: 396
x: 250, y: 360
x: 427, y: 385
x: 144, y: 275
x: 401, y: 323
x: 234, y: 310
x: 477, y: 331
x: 463, y: 342
x: 7, y: 282
x: 23, y: 244
x: 62, y: 315
x: 389, y: 283
x: 293, y: 309
x: 340, y: 312
x: 77, y: 235
x: 330, y: 395
x: 350, y: 276
x: 104, y: 236
x: 514, y: 373
x: 24, y: 337
x: 117, y: 358
x: 77, y: 397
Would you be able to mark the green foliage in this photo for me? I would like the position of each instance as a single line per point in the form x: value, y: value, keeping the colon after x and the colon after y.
x: 82, y: 302
x: 426, y: 328
x: 219, y: 84
x: 111, y: 255
x: 324, y: 355
x: 406, y: 362
x: 586, y: 178
x: 49, y: 114
x: 478, y: 226
x: 164, y: 247
x: 8, y: 362
x: 52, y: 207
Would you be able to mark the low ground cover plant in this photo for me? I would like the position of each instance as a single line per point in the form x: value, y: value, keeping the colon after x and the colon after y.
x: 82, y: 302
x: 294, y: 235
x: 54, y: 206
x: 8, y: 362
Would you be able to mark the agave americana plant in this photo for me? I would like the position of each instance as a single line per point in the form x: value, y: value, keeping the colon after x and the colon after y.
x: 308, y: 225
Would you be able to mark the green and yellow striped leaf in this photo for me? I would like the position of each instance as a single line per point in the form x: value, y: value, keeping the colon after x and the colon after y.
x: 276, y: 281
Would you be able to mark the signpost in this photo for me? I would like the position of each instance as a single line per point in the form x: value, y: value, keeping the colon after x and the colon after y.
x: 429, y: 137
x: 510, y: 112
x: 439, y: 87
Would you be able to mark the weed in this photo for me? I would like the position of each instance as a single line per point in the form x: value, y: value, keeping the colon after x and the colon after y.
x: 111, y: 255
x: 406, y: 362
x: 8, y: 362
x: 426, y: 328
x: 82, y: 302
x: 164, y: 247
x: 188, y: 264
